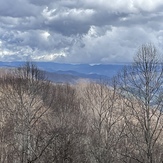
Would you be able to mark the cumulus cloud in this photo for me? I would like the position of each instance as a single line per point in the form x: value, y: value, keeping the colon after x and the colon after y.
x: 17, y: 8
x: 72, y: 31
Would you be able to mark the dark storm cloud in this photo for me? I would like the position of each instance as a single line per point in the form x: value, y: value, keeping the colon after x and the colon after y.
x: 85, y: 31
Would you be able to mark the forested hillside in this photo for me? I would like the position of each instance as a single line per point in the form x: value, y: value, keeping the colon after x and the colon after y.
x: 113, y: 121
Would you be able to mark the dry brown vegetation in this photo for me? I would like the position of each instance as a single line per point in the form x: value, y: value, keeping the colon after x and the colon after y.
x: 90, y: 122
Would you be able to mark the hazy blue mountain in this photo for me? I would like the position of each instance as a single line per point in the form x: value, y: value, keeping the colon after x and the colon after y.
x: 71, y: 72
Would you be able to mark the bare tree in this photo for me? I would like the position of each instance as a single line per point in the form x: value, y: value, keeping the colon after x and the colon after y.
x: 103, y: 107
x: 68, y: 122
x: 23, y: 107
x: 40, y: 122
x: 142, y: 86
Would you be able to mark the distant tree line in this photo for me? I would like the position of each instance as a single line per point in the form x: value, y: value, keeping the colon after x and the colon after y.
x: 115, y: 121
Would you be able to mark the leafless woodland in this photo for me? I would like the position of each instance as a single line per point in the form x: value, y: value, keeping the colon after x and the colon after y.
x: 115, y: 121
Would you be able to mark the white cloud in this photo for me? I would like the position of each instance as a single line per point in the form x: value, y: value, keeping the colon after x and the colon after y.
x: 125, y: 5
x: 78, y: 31
x: 17, y: 8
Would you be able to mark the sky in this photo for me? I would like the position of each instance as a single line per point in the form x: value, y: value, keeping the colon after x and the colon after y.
x: 78, y: 31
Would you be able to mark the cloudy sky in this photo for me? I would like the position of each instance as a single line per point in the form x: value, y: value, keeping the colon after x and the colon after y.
x: 78, y: 31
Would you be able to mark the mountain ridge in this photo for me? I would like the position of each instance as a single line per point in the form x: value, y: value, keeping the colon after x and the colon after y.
x: 66, y: 72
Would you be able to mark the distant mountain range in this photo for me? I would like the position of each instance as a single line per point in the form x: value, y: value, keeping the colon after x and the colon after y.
x: 60, y: 72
